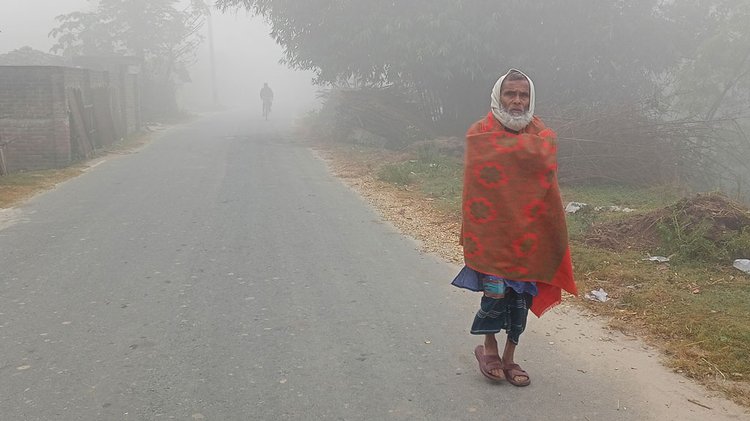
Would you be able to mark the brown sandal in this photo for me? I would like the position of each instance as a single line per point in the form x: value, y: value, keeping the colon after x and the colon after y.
x: 514, y: 370
x: 487, y: 363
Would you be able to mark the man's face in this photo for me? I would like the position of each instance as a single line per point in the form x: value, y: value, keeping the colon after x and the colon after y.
x: 515, y: 96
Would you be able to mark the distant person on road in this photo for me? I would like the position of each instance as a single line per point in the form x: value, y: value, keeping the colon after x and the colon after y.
x: 266, y: 95
x: 513, y: 229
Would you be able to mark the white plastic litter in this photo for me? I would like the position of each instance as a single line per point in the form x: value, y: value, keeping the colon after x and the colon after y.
x: 613, y: 209
x: 598, y: 295
x: 742, y: 264
x: 574, y: 207
x: 660, y: 259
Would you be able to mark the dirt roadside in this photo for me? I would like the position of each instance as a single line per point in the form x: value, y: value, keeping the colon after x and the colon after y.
x: 625, y: 359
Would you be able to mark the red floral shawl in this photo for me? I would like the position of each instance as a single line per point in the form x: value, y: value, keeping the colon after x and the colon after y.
x: 513, y: 219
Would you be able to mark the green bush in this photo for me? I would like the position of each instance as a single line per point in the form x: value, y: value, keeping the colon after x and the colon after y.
x: 685, y: 244
x: 738, y: 244
x: 695, y: 243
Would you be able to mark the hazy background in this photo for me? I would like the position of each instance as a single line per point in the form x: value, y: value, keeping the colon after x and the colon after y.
x: 246, y: 56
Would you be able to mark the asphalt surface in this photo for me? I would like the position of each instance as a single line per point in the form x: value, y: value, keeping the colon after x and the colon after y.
x: 221, y: 273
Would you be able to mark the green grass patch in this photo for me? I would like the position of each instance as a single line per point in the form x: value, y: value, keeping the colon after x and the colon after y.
x: 436, y: 176
x: 401, y: 174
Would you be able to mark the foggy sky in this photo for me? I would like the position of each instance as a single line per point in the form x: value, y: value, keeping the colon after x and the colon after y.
x: 245, y: 54
x: 246, y: 57
x: 27, y: 22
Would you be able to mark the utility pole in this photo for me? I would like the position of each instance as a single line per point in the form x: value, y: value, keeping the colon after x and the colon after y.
x: 214, y: 89
x: 212, y: 58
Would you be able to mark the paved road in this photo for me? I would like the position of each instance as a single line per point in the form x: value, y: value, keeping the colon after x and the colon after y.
x: 220, y: 273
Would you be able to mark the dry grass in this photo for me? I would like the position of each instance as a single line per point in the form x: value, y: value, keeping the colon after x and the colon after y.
x: 15, y: 188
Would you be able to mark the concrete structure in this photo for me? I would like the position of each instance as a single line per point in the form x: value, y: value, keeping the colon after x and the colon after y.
x: 125, y: 87
x: 51, y: 116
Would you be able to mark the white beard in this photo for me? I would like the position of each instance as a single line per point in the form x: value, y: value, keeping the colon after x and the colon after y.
x: 515, y: 123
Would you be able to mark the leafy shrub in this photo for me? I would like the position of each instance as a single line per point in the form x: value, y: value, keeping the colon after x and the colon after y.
x: 689, y: 244
x: 738, y: 244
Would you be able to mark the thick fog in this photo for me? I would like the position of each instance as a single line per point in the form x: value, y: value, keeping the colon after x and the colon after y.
x: 27, y: 22
x: 245, y: 56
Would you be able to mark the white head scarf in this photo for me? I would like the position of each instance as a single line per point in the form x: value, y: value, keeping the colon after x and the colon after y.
x: 495, y: 98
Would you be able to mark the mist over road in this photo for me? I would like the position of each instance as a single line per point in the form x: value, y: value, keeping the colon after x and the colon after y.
x: 221, y: 273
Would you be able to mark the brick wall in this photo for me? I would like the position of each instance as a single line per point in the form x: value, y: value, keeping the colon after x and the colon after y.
x: 33, y: 118
x: 35, y: 113
x: 124, y: 88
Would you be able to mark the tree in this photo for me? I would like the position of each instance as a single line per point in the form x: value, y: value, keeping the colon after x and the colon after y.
x: 715, y: 80
x: 451, y: 51
x: 162, y: 36
x: 712, y: 90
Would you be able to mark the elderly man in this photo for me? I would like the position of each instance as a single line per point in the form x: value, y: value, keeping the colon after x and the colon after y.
x: 513, y: 228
